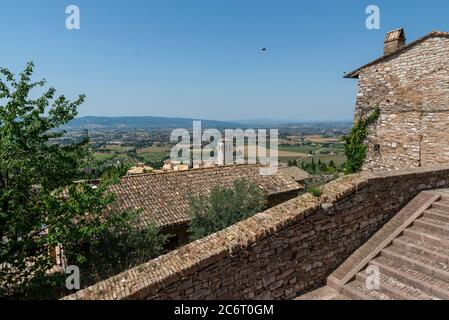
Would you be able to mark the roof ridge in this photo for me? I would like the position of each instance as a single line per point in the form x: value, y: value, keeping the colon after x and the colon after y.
x: 194, y: 170
x: 439, y: 32
x: 434, y: 33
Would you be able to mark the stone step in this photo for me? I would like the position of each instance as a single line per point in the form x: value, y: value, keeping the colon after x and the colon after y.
x: 422, y: 248
x: 357, y: 290
x: 428, y: 284
x: 444, y: 198
x: 437, y: 215
x: 441, y: 205
x: 432, y: 225
x: 425, y: 265
x: 432, y: 238
x: 323, y: 293
x: 395, y: 288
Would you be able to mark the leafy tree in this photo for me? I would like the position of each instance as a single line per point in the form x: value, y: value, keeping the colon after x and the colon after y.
x: 118, y: 171
x: 322, y: 166
x: 224, y: 207
x: 40, y: 205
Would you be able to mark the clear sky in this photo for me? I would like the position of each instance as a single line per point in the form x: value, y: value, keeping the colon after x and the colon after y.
x: 203, y: 58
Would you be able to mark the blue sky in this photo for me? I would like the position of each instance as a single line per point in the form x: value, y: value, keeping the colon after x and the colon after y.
x: 203, y: 58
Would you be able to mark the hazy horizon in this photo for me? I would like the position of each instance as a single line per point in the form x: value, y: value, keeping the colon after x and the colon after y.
x: 222, y: 120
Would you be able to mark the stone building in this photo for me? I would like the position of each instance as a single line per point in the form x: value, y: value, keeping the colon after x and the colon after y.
x: 410, y: 85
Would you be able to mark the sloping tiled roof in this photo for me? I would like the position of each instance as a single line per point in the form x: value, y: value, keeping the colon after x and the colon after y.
x: 355, y: 74
x: 294, y: 173
x: 164, y: 198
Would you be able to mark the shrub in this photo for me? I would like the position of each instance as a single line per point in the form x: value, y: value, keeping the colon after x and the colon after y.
x: 120, y: 248
x: 224, y: 207
x: 315, y: 191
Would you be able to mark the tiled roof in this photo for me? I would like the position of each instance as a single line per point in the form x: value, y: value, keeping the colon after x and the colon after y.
x: 163, y: 198
x: 294, y: 173
x: 355, y: 73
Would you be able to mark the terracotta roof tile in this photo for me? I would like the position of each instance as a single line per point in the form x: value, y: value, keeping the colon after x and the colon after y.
x: 163, y: 198
x: 294, y: 173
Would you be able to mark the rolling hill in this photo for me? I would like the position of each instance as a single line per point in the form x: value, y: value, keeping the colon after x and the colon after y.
x: 145, y: 122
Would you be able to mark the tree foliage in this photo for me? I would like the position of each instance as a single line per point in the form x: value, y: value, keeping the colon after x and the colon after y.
x: 355, y: 147
x: 321, y: 168
x: 41, y: 206
x: 224, y: 207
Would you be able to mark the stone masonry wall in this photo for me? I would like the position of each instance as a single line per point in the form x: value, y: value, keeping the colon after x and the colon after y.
x: 412, y: 91
x: 280, y: 253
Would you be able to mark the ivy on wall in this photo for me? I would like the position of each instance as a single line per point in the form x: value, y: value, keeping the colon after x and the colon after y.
x: 355, y: 147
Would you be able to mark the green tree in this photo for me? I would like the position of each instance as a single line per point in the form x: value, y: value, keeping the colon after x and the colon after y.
x: 224, y: 207
x: 313, y: 166
x: 40, y: 205
x: 322, y: 166
x: 116, y: 171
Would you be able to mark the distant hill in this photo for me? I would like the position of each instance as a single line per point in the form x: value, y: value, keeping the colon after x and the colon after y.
x: 145, y: 122
x: 269, y: 123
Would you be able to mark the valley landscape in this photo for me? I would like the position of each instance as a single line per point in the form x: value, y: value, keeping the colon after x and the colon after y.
x: 133, y: 140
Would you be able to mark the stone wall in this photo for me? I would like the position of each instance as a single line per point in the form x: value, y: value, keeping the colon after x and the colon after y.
x: 280, y: 253
x: 412, y: 90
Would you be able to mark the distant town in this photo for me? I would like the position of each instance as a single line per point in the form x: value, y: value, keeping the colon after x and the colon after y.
x: 122, y: 141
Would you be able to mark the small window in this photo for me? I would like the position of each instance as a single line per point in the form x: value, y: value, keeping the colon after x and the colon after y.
x: 376, y: 147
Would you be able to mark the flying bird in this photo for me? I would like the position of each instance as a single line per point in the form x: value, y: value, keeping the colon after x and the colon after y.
x: 264, y: 49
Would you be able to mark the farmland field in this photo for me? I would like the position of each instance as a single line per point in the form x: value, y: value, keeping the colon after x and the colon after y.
x: 301, y: 152
x: 114, y: 156
x: 116, y: 148
x: 151, y: 154
x: 321, y: 139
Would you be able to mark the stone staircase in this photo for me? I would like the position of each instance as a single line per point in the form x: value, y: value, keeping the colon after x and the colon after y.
x: 412, y: 264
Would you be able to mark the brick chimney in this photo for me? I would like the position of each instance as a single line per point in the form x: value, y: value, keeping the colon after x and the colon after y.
x: 394, y: 40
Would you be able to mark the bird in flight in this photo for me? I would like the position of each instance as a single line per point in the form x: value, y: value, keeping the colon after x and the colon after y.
x: 264, y: 49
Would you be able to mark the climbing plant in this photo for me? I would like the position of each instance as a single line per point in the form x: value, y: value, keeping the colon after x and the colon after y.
x: 355, y: 147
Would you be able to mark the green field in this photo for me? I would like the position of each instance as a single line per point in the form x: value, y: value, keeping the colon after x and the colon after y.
x: 117, y: 149
x: 291, y: 152
x: 149, y: 154
x: 338, y: 159
x: 104, y: 156
x: 304, y: 149
x: 111, y: 156
x: 154, y: 154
